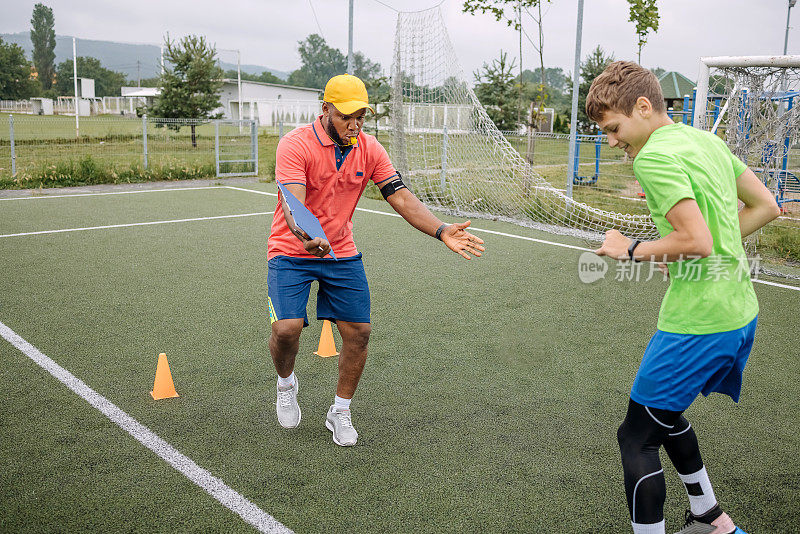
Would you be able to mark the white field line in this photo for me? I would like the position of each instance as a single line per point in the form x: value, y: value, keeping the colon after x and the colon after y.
x: 135, y: 224
x: 251, y: 190
x: 113, y: 193
x: 214, y: 486
x: 515, y: 236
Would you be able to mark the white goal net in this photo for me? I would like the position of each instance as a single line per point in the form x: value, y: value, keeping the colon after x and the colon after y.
x: 453, y: 157
x: 753, y: 102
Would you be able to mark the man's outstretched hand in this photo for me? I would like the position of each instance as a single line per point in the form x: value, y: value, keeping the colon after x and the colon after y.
x: 459, y: 240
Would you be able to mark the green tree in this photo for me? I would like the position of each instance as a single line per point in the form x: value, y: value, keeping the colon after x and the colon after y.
x: 561, y: 123
x: 365, y: 68
x: 106, y: 82
x: 644, y: 15
x: 266, y: 77
x: 43, y: 37
x: 557, y: 81
x: 150, y: 82
x: 594, y: 64
x: 658, y: 71
x: 497, y: 92
x: 321, y: 62
x: 15, y: 73
x: 557, y: 94
x: 190, y: 83
x: 510, y: 11
x: 380, y: 92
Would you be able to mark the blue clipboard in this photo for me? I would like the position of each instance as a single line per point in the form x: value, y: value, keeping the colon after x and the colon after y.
x: 303, y: 217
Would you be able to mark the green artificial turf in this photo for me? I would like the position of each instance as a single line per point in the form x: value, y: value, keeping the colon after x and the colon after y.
x: 490, y: 399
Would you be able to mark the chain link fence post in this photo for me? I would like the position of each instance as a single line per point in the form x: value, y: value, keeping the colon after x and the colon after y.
x: 254, y: 144
x: 144, y: 139
x: 216, y: 145
x: 13, y: 154
x: 443, y: 179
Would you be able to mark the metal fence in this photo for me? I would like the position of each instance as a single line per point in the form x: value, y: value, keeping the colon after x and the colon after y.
x: 42, y: 148
x: 65, y: 105
x: 604, y: 175
x: 16, y: 106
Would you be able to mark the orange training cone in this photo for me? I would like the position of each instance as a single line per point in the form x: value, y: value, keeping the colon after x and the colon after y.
x: 327, y: 346
x: 163, y: 388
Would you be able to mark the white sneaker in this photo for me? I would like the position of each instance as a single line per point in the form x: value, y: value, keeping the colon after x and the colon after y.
x: 339, y: 422
x: 286, y: 406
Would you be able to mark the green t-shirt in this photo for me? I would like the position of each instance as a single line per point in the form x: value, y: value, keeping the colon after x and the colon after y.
x: 712, y: 294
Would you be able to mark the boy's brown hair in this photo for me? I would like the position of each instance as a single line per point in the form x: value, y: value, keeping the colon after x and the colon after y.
x: 618, y: 88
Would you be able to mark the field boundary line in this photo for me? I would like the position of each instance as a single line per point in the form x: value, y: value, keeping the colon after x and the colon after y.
x: 228, y: 497
x: 105, y: 227
x: 250, y: 190
x: 515, y: 236
x: 114, y: 193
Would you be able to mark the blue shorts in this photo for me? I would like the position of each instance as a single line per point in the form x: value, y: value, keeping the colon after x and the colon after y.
x: 343, y: 292
x: 676, y: 367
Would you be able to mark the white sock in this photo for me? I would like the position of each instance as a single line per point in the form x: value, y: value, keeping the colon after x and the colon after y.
x: 649, y: 528
x: 701, y: 494
x: 340, y: 403
x: 288, y: 381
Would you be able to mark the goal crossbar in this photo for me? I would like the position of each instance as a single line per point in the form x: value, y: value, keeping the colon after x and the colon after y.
x: 706, y: 63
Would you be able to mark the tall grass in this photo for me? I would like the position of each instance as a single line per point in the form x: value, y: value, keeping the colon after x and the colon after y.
x: 88, y: 171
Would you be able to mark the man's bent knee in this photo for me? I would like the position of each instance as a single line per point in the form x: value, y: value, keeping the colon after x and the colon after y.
x: 356, y: 333
x: 286, y: 331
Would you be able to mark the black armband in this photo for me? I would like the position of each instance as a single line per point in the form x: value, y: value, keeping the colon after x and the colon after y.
x: 393, y: 187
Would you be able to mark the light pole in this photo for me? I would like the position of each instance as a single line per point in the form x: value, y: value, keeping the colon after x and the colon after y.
x: 350, y: 43
x: 576, y: 81
x: 788, y: 14
x: 75, y: 77
x: 784, y: 81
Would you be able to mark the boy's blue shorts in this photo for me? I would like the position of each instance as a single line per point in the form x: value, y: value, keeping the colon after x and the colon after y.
x: 343, y: 292
x: 676, y: 367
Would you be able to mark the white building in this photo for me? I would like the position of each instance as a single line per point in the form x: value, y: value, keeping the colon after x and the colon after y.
x: 146, y: 92
x: 271, y: 103
x: 268, y: 103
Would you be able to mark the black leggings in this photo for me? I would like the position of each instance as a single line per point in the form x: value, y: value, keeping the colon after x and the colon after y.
x: 640, y: 435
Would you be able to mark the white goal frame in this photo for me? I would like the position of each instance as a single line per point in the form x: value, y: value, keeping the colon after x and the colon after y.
x: 701, y: 98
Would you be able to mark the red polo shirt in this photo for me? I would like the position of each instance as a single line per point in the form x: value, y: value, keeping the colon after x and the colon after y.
x: 307, y: 156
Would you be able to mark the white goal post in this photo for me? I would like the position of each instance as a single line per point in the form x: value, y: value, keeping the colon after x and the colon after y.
x: 706, y: 63
x: 760, y: 123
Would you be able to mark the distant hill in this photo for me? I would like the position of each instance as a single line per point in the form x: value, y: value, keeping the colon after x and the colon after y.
x: 121, y: 57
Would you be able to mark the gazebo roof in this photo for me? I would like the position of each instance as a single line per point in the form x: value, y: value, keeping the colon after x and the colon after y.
x: 675, y: 85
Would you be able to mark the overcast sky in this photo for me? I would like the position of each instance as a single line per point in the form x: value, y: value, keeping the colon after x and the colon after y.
x: 267, y: 31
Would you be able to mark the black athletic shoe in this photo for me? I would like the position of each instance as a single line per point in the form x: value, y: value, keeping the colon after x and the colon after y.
x: 701, y: 524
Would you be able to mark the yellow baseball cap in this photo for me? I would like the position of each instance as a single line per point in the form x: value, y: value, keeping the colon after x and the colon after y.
x: 347, y: 93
